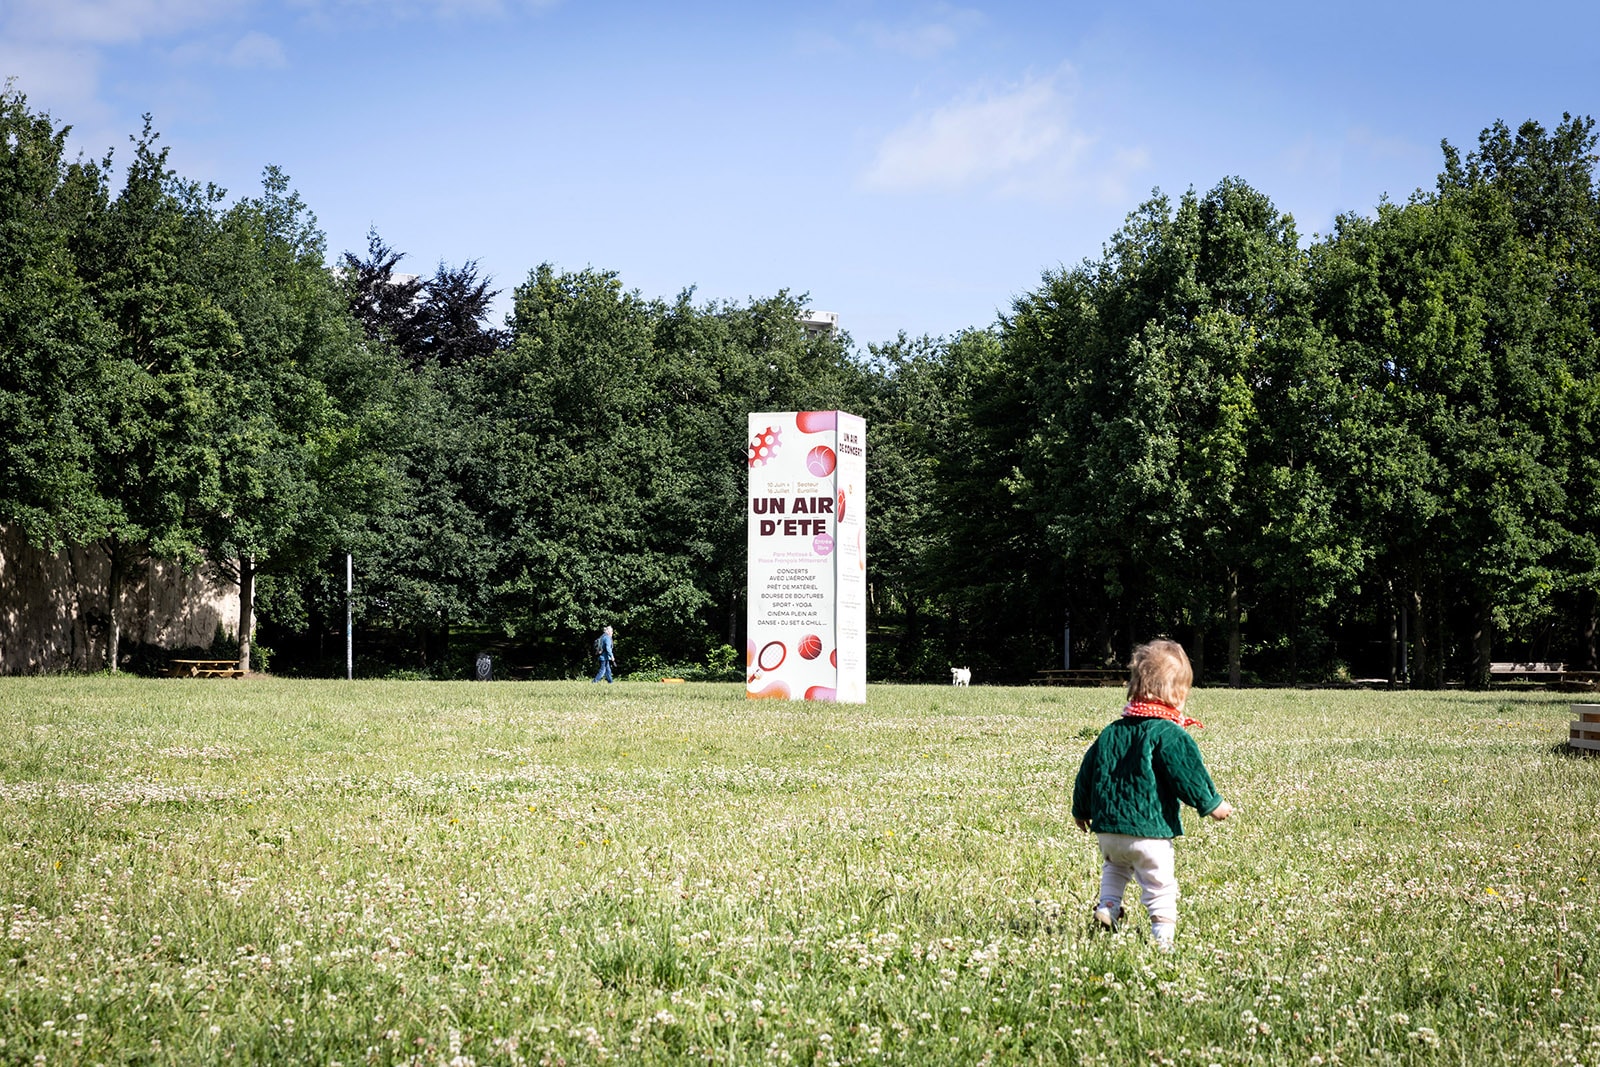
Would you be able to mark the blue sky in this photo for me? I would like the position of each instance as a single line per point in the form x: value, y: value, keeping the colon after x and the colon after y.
x: 911, y: 166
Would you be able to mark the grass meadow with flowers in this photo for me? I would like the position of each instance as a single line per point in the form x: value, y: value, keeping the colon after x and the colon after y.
x: 273, y: 871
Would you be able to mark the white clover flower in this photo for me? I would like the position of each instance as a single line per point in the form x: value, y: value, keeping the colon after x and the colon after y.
x: 1425, y: 1035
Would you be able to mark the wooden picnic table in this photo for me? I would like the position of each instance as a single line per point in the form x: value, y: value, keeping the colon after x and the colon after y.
x: 204, y: 668
x: 1549, y: 675
x: 1081, y: 676
x: 1527, y: 672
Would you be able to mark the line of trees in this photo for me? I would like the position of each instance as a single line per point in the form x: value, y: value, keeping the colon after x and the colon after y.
x: 1304, y: 459
x: 1299, y: 452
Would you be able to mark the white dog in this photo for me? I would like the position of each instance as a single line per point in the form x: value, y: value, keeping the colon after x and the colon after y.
x: 960, y: 676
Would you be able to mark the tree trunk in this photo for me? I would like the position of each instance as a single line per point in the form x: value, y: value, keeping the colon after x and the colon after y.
x: 1197, y: 654
x: 1405, y: 641
x: 910, y: 639
x: 1482, y: 638
x: 1234, y: 673
x: 247, y: 609
x: 1591, y: 635
x: 1421, y: 661
x: 114, y: 606
x: 1103, y: 643
x: 1294, y: 636
x: 81, y: 655
x: 1392, y: 641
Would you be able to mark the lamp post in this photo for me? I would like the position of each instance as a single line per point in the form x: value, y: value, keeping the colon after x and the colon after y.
x: 1066, y: 639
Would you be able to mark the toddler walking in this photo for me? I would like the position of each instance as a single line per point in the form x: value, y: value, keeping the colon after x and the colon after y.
x: 1133, y: 782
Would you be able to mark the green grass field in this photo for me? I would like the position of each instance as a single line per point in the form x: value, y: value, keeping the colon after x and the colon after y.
x: 268, y: 871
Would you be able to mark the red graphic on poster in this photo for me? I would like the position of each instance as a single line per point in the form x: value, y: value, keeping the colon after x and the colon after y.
x: 772, y: 655
x: 764, y: 445
x: 810, y: 646
x: 816, y: 421
x: 774, y: 690
x: 822, y: 692
x: 839, y: 514
x: 819, y: 461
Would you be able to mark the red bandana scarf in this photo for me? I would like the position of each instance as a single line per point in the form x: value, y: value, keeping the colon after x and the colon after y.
x: 1158, y: 709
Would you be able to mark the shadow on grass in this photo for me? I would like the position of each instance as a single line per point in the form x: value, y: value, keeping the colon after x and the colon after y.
x: 1532, y: 698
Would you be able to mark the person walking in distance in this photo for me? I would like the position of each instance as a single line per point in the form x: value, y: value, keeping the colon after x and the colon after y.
x: 605, y: 648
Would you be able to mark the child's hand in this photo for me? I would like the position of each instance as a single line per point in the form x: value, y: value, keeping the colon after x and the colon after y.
x: 1222, y: 811
x: 1083, y: 824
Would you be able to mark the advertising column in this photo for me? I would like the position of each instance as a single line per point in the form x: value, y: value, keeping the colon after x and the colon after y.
x: 850, y: 559
x: 807, y: 565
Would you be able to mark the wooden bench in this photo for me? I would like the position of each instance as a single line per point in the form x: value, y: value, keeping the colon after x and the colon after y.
x: 1083, y: 676
x: 1579, y: 681
x: 204, y: 668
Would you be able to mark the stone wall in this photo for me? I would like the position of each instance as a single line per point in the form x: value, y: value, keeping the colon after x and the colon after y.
x: 54, y: 617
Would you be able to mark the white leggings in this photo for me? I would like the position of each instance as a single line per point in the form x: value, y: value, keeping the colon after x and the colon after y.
x: 1148, y: 861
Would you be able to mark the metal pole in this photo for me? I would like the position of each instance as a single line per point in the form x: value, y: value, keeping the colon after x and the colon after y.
x: 1066, y: 640
x: 349, y: 627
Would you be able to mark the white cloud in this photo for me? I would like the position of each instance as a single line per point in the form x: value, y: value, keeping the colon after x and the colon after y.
x: 972, y: 141
x: 919, y: 42
x: 451, y: 9
x: 111, y: 22
x: 928, y: 39
x: 62, y: 50
x: 810, y: 41
x: 64, y: 82
x: 1328, y: 153
x: 331, y: 12
x: 1335, y: 171
x: 1112, y: 180
x: 63, y: 79
x: 252, y: 51
x: 1021, y: 142
x: 1365, y: 141
x: 256, y: 50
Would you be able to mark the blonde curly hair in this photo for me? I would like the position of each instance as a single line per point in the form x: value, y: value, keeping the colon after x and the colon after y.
x: 1160, y: 670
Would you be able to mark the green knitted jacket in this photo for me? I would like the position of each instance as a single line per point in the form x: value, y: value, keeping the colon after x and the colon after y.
x: 1136, y: 776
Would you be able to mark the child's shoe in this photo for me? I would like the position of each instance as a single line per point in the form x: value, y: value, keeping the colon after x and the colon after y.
x: 1105, y: 916
x: 1165, y: 936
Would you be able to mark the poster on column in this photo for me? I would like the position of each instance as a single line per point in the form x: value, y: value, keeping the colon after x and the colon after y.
x: 807, y: 567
